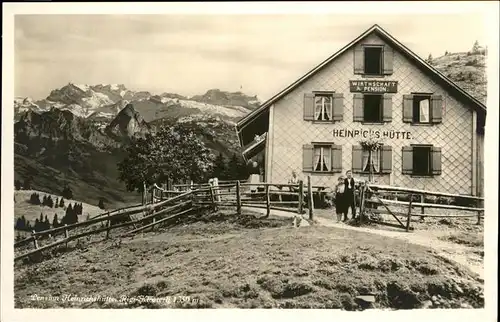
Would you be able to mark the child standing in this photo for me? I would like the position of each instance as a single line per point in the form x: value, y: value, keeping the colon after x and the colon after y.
x: 340, y: 198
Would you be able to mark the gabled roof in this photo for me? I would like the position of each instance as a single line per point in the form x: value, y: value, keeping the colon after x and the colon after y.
x: 396, y: 45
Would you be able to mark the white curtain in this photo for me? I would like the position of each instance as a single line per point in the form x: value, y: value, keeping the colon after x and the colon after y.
x: 424, y: 111
x: 317, y: 157
x: 327, y: 107
x: 376, y: 160
x: 326, y: 159
x: 318, y: 107
x: 365, y: 160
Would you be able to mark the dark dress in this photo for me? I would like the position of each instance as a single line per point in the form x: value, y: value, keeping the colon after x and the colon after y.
x: 349, y: 198
x: 339, y: 203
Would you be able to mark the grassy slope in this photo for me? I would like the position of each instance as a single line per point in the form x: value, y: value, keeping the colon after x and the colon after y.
x: 86, y: 188
x: 224, y: 260
x: 22, y: 207
x: 467, y: 71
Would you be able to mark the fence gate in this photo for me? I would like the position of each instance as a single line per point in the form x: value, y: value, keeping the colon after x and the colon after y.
x: 371, y: 204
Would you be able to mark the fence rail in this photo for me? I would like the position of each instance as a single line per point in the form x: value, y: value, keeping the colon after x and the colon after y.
x: 171, y: 204
x: 371, y: 196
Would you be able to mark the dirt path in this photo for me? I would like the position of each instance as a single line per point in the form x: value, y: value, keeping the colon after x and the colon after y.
x: 451, y: 251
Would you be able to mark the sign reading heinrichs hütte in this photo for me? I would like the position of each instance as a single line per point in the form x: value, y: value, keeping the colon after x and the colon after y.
x: 373, y: 86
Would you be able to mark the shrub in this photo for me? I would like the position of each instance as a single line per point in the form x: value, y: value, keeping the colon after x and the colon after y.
x: 101, y: 203
x: 67, y: 193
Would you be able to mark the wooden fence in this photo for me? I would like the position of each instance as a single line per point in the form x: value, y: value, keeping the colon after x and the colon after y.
x: 152, y: 215
x: 372, y: 196
x: 165, y: 205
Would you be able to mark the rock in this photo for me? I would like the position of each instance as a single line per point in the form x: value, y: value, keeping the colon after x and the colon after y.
x: 434, y: 298
x: 427, y: 304
x: 466, y: 306
x: 458, y: 289
x: 369, y: 298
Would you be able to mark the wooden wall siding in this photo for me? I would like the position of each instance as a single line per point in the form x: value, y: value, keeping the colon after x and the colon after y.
x: 291, y: 132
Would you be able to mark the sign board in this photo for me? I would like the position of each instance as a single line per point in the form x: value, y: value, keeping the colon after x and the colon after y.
x: 377, y: 134
x: 373, y: 86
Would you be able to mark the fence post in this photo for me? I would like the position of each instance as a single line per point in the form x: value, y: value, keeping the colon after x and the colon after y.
x: 301, y: 197
x: 108, y: 225
x: 66, y: 233
x: 238, y: 198
x: 362, y: 203
x: 214, y: 206
x: 143, y: 193
x: 311, y: 199
x: 422, y: 209
x: 408, y: 219
x: 35, y: 242
x: 169, y: 187
x: 268, y: 201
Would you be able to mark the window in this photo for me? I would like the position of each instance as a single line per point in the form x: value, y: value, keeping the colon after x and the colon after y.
x: 372, y: 108
x: 421, y: 109
x: 371, y: 161
x: 373, y: 60
x: 421, y: 160
x: 322, y: 158
x: 380, y: 162
x: 323, y: 108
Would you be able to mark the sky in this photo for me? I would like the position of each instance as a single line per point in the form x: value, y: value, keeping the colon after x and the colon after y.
x: 189, y: 54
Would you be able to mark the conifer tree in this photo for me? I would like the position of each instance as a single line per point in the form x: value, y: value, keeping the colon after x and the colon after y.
x: 55, y: 221
x: 46, y: 223
x: 61, y: 203
x: 56, y: 203
x: 67, y: 193
x: 101, y: 203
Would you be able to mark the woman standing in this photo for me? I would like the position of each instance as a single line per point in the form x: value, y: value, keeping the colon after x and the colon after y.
x: 340, y: 198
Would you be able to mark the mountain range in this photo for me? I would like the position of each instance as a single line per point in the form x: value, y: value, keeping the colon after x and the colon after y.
x: 77, y: 134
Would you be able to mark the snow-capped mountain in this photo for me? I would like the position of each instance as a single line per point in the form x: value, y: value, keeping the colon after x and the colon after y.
x: 103, y: 102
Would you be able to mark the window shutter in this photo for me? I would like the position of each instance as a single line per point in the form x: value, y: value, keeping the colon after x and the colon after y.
x: 387, y: 108
x: 436, y: 160
x: 307, y: 157
x: 436, y: 109
x: 407, y: 167
x: 338, y: 107
x: 309, y: 106
x: 336, y: 158
x: 357, y: 158
x: 359, y: 60
x: 388, y: 60
x: 358, y: 107
x: 386, y: 153
x: 408, y: 108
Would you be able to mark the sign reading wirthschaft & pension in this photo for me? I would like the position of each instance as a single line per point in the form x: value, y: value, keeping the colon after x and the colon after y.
x: 373, y: 86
